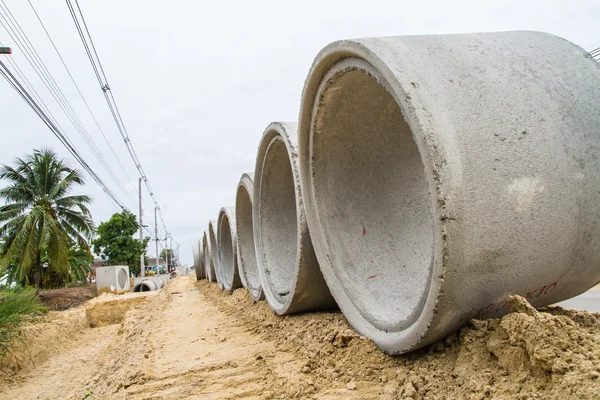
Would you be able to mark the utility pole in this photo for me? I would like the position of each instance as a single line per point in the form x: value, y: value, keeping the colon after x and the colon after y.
x: 156, y: 234
x: 172, y: 250
x: 167, y: 250
x: 142, y: 268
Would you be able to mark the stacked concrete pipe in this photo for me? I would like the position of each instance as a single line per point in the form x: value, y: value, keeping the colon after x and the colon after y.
x: 227, y: 239
x: 208, y: 263
x: 199, y: 260
x: 288, y: 270
x: 214, y: 245
x: 245, y: 237
x: 443, y: 173
x: 150, y: 283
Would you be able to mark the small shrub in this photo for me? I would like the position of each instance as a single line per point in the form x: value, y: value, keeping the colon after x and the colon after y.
x: 14, y: 305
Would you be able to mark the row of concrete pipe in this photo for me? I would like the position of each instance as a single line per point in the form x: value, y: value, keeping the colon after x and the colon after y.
x: 428, y: 178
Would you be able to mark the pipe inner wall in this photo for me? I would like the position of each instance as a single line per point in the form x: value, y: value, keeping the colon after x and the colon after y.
x: 372, y: 198
x: 247, y: 265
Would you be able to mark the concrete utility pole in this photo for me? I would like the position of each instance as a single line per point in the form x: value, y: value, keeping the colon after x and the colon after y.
x: 156, y: 234
x: 171, y: 249
x: 142, y: 269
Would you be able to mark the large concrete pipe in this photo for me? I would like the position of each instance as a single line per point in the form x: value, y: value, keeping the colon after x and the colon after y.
x: 245, y: 237
x: 199, y: 260
x: 443, y: 173
x: 208, y: 263
x: 146, y: 285
x: 227, y: 242
x: 150, y: 283
x: 289, y: 272
x: 214, y: 245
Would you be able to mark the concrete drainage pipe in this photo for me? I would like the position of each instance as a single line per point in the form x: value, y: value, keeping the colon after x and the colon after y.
x: 443, y: 173
x: 208, y: 263
x: 289, y: 272
x: 151, y: 283
x: 227, y: 240
x: 145, y: 286
x: 245, y: 237
x: 214, y: 246
x: 199, y: 260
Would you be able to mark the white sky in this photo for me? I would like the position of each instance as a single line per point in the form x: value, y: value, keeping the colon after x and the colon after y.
x: 197, y: 82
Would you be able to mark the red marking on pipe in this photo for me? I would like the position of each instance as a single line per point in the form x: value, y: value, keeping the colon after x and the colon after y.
x: 364, y: 230
x: 372, y: 276
x: 459, y: 83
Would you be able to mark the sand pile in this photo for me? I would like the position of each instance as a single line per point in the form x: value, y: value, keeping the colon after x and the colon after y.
x: 552, y: 353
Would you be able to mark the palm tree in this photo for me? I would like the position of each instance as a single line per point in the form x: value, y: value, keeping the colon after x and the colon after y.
x: 41, y: 217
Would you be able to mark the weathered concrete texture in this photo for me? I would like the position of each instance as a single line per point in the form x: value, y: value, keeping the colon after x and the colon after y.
x: 149, y: 283
x: 443, y: 173
x: 288, y: 269
x: 208, y: 263
x: 199, y: 260
x: 113, y: 279
x: 214, y: 247
x: 245, y: 237
x: 227, y: 239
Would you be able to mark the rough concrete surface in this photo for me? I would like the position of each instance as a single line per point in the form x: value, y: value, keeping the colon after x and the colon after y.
x: 443, y: 173
x: 209, y: 264
x: 112, y: 279
x: 246, y: 253
x: 288, y: 269
x: 214, y: 251
x: 228, y: 259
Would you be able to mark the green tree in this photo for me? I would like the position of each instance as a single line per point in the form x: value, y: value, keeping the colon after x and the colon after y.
x: 41, y: 218
x: 115, y: 240
x: 167, y: 252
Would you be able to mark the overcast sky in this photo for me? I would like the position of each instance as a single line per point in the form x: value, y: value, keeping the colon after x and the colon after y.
x: 197, y: 82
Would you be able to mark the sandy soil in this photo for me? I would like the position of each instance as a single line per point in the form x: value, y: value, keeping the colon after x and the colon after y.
x: 191, y: 340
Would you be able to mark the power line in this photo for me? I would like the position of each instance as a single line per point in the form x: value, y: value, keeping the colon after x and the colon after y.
x: 14, y: 82
x: 78, y: 90
x: 85, y: 36
x: 15, y: 31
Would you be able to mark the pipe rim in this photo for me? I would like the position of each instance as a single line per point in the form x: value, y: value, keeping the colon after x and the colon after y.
x: 277, y: 132
x: 215, y: 252
x: 209, y: 267
x: 250, y: 282
x: 227, y: 216
x: 326, y: 63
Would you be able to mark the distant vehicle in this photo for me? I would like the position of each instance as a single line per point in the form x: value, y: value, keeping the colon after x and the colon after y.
x: 150, y: 270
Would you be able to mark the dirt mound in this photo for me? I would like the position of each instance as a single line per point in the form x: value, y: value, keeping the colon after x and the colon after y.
x: 39, y: 340
x: 109, y: 309
x: 552, y: 353
x: 62, y: 299
x: 50, y: 334
x: 121, y: 368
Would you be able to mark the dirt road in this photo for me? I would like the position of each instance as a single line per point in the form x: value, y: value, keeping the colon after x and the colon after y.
x: 191, y: 340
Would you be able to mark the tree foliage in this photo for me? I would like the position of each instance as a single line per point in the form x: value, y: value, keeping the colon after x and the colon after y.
x: 41, y: 220
x: 167, y: 252
x: 116, y: 242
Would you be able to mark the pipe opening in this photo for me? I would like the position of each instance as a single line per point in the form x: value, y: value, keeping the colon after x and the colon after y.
x: 372, y: 198
x: 208, y: 262
x: 278, y: 220
x: 245, y: 236
x: 214, y: 250
x: 226, y: 250
x: 122, y: 278
x: 141, y: 287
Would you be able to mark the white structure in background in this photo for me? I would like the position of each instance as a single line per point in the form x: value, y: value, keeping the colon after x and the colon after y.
x: 113, y: 279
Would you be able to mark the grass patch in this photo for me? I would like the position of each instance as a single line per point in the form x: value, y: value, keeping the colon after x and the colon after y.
x: 15, y: 305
